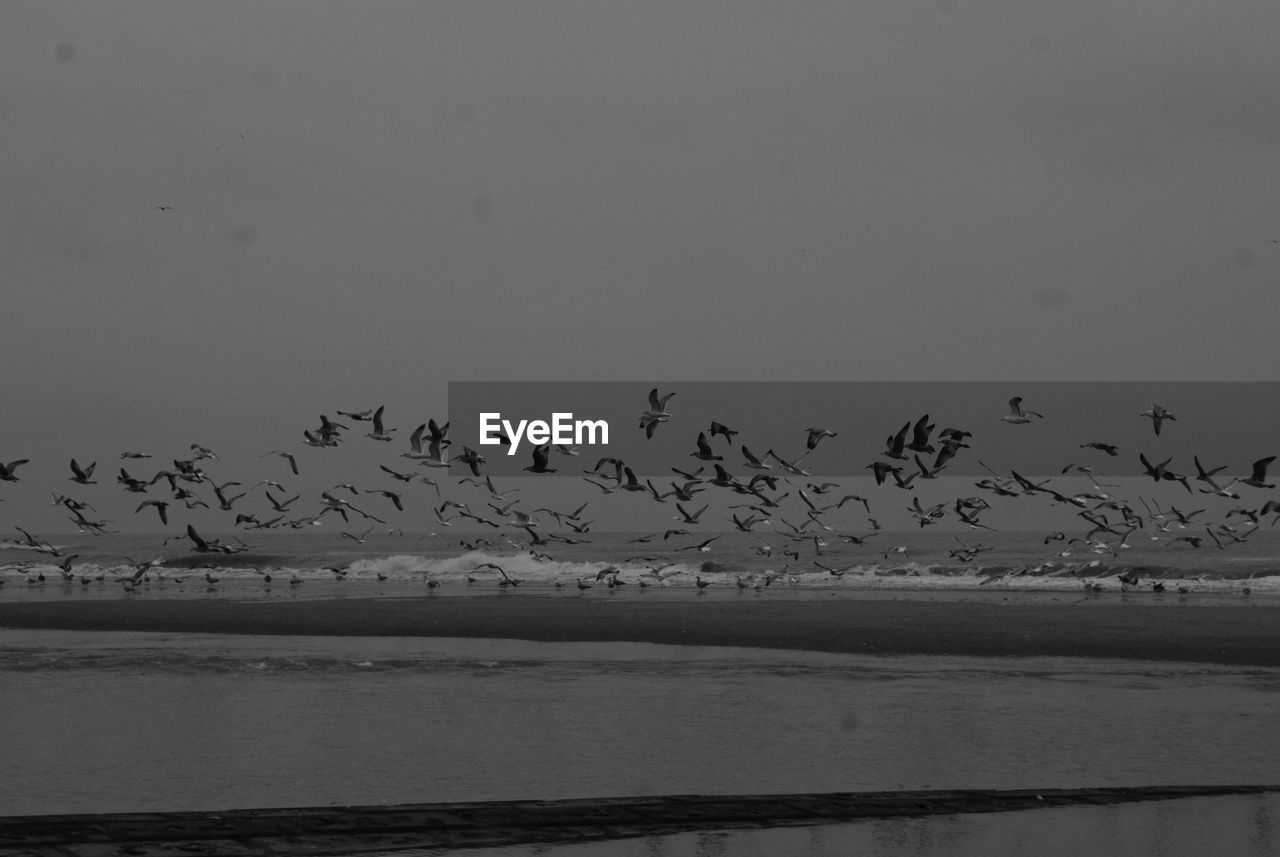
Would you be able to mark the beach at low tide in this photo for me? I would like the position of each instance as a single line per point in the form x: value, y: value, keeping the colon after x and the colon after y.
x: 194, y: 697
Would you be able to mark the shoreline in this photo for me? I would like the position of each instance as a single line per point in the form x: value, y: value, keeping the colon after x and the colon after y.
x: 1225, y: 635
x: 341, y: 830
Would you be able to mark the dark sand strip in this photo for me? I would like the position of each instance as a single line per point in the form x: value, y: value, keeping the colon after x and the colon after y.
x: 1230, y: 635
x: 347, y: 830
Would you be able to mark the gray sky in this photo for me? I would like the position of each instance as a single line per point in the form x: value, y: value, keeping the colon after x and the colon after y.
x: 372, y: 199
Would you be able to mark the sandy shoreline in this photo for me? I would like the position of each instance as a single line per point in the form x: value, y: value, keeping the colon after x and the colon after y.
x: 1203, y: 634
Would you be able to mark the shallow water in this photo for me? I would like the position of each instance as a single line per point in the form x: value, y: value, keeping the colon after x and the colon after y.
x: 130, y: 721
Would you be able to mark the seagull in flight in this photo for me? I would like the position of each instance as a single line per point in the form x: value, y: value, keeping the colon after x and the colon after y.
x: 390, y: 495
x: 540, y: 456
x: 705, y: 452
x: 1158, y: 472
x: 722, y: 429
x: 704, y: 547
x: 897, y: 442
x: 1017, y: 415
x: 6, y: 470
x: 1158, y: 415
x: 920, y: 436
x: 816, y: 435
x: 789, y: 466
x: 431, y: 457
x: 287, y: 456
x: 658, y: 404
x: 690, y: 517
x: 83, y: 475
x: 754, y: 461
x: 378, y: 432
x: 657, y: 412
x: 161, y: 507
x: 1259, y: 476
x: 358, y: 539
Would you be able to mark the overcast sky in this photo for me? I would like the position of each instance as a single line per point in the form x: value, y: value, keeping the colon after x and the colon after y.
x: 371, y: 199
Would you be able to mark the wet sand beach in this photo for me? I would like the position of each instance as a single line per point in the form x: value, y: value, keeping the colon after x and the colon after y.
x: 1230, y: 635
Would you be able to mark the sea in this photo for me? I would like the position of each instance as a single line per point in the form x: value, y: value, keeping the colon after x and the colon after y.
x: 134, y: 721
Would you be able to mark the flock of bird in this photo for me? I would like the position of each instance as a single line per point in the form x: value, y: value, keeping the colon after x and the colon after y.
x: 779, y: 498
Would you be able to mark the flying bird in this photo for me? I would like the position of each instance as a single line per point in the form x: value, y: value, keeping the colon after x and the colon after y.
x: 816, y: 435
x: 378, y: 432
x: 161, y: 507
x: 83, y: 475
x: 658, y: 404
x: 722, y: 429
x: 1259, y: 476
x: 754, y: 461
x: 6, y: 470
x: 704, y: 452
x: 540, y: 456
x: 704, y: 547
x: 897, y: 442
x: 657, y: 412
x: 431, y: 457
x: 1017, y: 415
x: 1158, y: 416
x: 287, y: 456
x: 920, y: 436
x: 390, y: 495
